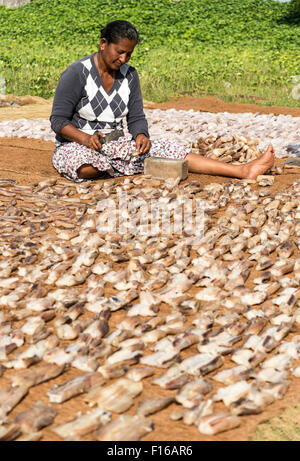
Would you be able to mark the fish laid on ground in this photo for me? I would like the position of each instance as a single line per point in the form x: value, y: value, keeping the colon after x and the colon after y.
x: 147, y: 306
x: 115, y: 370
x: 31, y: 437
x: 218, y: 422
x: 276, y: 390
x: 138, y: 373
x: 244, y: 406
x: 9, y: 397
x: 75, y: 386
x: 8, y: 433
x: 36, y: 417
x: 117, y: 397
x: 233, y: 392
x: 126, y: 428
x: 269, y: 375
x: 201, y: 364
x: 148, y: 406
x: 232, y: 375
x: 173, y: 378
x: 192, y: 392
x: 248, y: 358
x: 161, y: 359
x: 193, y: 415
x: 83, y: 424
x: 279, y: 362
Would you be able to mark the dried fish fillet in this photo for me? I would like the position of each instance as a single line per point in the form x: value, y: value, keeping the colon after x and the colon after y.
x: 37, y: 375
x: 32, y: 437
x: 8, y: 433
x: 192, y: 392
x: 162, y: 359
x: 193, y: 415
x: 10, y: 396
x: 201, y: 364
x: 83, y: 424
x: 232, y: 375
x: 148, y: 305
x: 148, y: 406
x: 245, y: 406
x: 276, y: 390
x: 75, y: 386
x: 125, y: 428
x: 117, y: 397
x: 233, y: 392
x: 138, y: 373
x: 218, y: 422
x: 36, y: 417
x: 173, y: 378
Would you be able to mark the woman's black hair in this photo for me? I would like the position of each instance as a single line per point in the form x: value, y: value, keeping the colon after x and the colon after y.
x: 117, y: 30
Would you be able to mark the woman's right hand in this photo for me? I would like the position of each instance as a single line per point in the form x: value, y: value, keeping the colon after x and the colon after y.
x: 93, y: 141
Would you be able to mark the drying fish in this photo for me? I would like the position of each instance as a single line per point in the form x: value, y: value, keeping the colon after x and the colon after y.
x: 270, y: 375
x: 36, y: 417
x: 218, y: 422
x: 233, y: 392
x: 75, y: 386
x: 148, y: 406
x: 192, y: 392
x: 125, y: 428
x: 32, y: 437
x: 126, y: 353
x: 162, y: 359
x: 256, y: 325
x: 193, y: 415
x: 245, y: 406
x: 101, y: 268
x: 232, y: 375
x: 201, y: 364
x: 248, y: 358
x: 279, y: 362
x: 85, y: 363
x: 8, y: 433
x: 117, y: 397
x: 148, y: 305
x: 63, y: 356
x: 37, y: 375
x: 116, y: 370
x: 9, y: 397
x: 210, y: 294
x: 296, y: 371
x: 138, y: 373
x: 173, y: 378
x: 276, y: 390
x: 122, y: 300
x: 83, y: 424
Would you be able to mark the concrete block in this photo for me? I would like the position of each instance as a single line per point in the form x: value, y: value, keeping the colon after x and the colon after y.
x: 166, y: 168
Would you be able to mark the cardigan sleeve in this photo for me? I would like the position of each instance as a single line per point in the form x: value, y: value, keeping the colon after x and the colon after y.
x: 136, y: 120
x: 66, y: 98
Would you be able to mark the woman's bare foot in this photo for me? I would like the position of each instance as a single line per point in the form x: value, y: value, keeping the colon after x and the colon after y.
x: 259, y: 166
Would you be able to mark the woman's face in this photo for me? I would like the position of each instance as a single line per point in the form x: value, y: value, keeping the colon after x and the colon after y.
x: 115, y: 55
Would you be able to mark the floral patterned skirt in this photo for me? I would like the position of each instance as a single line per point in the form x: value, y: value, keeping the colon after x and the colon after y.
x: 114, y: 158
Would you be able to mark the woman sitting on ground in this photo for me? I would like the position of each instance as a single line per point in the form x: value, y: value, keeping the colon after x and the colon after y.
x: 94, y: 94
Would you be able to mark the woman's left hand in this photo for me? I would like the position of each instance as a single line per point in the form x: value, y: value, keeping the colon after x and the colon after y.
x: 143, y: 144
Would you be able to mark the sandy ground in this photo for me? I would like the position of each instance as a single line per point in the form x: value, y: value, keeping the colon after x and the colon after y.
x: 29, y: 161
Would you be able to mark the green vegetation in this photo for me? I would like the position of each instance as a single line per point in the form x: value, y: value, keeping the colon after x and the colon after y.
x: 282, y: 428
x: 240, y: 51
